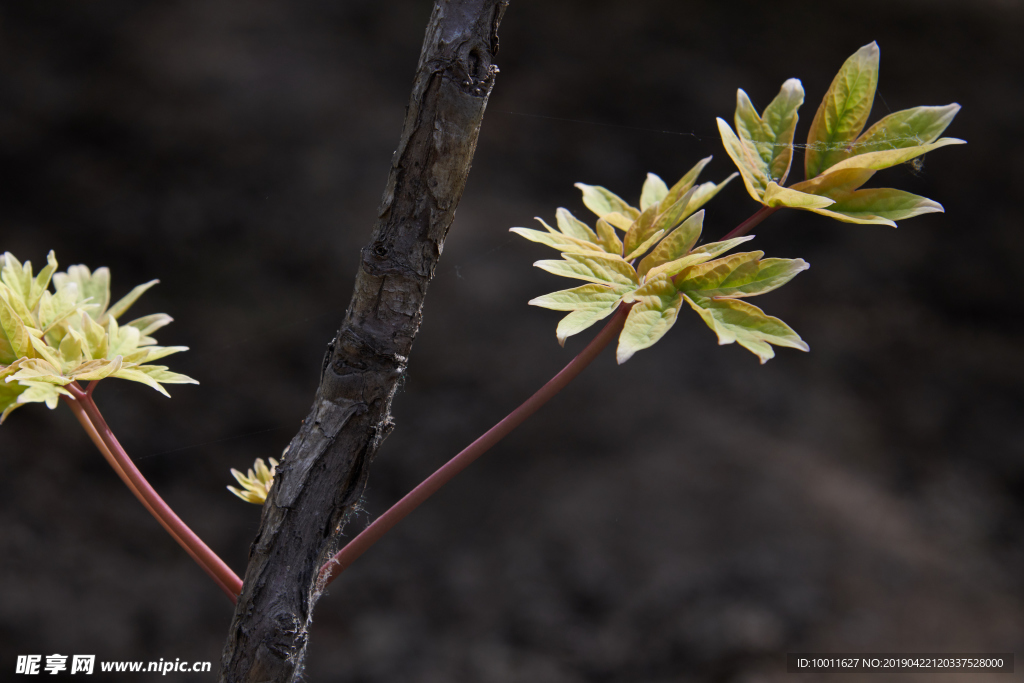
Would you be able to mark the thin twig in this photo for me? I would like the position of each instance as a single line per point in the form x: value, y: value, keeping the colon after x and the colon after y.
x: 371, y: 534
x: 92, y: 420
x: 752, y: 222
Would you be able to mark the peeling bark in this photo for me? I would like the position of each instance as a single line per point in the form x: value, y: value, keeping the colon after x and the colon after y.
x: 324, y: 472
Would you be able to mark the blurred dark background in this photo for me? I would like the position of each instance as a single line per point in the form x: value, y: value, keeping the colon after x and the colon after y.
x: 689, y: 516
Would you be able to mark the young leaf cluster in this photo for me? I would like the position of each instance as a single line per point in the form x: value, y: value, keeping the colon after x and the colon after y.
x: 255, y: 485
x: 656, y: 268
x: 839, y: 158
x: 51, y: 339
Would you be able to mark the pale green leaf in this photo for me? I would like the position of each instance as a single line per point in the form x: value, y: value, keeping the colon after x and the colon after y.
x: 704, y: 193
x: 677, y: 266
x: 619, y: 220
x: 746, y: 159
x: 121, y: 341
x: 14, y: 337
x: 9, y: 391
x: 151, y: 323
x: 678, y: 244
x: 92, y: 286
x: 42, y: 280
x: 714, y: 249
x: 96, y: 335
x: 17, y: 304
x: 739, y: 275
x: 38, y: 370
x: 573, y: 227
x: 47, y: 353
x: 18, y: 279
x: 780, y: 117
x: 762, y: 147
x: 907, y: 128
x: 642, y: 248
x: 148, y: 354
x: 162, y: 375
x: 876, y: 161
x: 584, y: 297
x: 684, y: 184
x: 735, y: 320
x: 607, y: 237
x: 126, y: 302
x: 843, y: 111
x: 559, y: 241
x: 71, y: 350
x: 653, y: 192
x: 605, y: 269
x: 603, y: 202
x: 137, y: 375
x: 92, y: 370
x: 40, y: 392
x: 653, y: 314
x: 881, y: 206
x: 776, y: 196
x: 579, y: 320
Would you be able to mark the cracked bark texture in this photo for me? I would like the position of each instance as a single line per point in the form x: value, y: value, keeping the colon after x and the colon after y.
x: 324, y: 471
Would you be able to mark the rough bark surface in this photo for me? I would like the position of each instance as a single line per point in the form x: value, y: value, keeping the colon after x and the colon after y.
x: 324, y: 471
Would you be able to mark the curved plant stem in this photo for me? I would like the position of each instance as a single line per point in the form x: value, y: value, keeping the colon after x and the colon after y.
x: 89, y: 416
x: 751, y: 223
x: 371, y: 534
x: 380, y: 526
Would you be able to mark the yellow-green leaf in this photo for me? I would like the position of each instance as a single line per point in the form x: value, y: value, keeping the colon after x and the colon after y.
x: 740, y: 275
x: 880, y: 206
x: 653, y: 192
x: 93, y: 286
x: 39, y: 370
x: 762, y: 147
x: 605, y: 269
x: 642, y: 248
x: 125, y: 303
x: 907, y: 128
x: 579, y: 320
x: 717, y: 248
x: 619, y: 220
x: 137, y: 375
x: 39, y: 392
x: 876, y: 161
x: 149, y: 324
x: 559, y: 241
x: 678, y: 243
x: 677, y: 266
x: 734, y: 320
x: 843, y: 111
x: 684, y: 184
x: 607, y: 237
x: 776, y: 196
x: 96, y: 369
x: 14, y: 338
x: 704, y: 193
x: 780, y: 118
x: 161, y: 374
x: 653, y: 314
x: 148, y: 354
x: 746, y: 159
x: 584, y: 297
x: 603, y: 202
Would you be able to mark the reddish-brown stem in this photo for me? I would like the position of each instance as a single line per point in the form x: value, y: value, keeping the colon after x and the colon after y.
x: 92, y: 420
x: 752, y: 222
x: 371, y: 534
